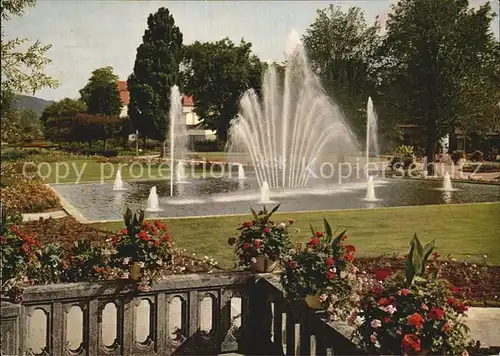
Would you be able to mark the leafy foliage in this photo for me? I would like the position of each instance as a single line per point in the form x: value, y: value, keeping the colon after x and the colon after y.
x: 321, y: 267
x: 261, y: 236
x: 342, y: 49
x: 216, y: 74
x: 156, y: 70
x: 101, y: 93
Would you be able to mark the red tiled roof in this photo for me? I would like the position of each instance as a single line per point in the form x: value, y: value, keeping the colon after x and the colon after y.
x: 124, y: 94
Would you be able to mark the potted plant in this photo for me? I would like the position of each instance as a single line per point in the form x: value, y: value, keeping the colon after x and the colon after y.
x: 413, y: 313
x: 318, y: 270
x: 261, y: 243
x: 404, y: 158
x: 142, y: 246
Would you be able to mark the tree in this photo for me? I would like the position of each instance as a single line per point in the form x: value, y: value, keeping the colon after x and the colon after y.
x: 216, y: 74
x: 64, y: 108
x: 342, y: 49
x: 22, y: 70
x: 101, y: 93
x: 156, y: 70
x: 436, y: 54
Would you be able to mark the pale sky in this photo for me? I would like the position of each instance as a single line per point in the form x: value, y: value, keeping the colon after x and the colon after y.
x: 86, y: 35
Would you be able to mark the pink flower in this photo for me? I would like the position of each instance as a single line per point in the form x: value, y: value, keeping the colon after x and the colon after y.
x: 376, y: 323
x: 266, y: 230
x: 391, y: 309
x: 425, y: 307
x: 373, y: 338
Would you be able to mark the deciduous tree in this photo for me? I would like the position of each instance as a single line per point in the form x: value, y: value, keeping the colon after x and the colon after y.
x: 156, y: 70
x: 101, y: 93
x: 436, y: 57
x: 216, y: 74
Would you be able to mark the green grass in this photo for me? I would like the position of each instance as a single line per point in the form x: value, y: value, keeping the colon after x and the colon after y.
x: 459, y: 230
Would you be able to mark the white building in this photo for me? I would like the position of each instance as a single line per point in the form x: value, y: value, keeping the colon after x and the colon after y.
x: 195, y: 131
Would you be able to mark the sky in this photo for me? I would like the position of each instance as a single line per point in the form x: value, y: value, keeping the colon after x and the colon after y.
x: 86, y: 35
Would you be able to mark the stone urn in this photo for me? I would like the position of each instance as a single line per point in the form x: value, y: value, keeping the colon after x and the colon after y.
x: 313, y: 302
x: 135, y: 271
x: 263, y: 264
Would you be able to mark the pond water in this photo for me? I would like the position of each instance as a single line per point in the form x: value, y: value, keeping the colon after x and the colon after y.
x: 203, y: 197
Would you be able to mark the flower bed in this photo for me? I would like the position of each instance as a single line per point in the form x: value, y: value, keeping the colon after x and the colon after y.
x: 476, y: 283
x: 481, y: 168
x: 28, y: 197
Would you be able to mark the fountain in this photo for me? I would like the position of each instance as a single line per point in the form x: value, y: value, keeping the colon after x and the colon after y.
x: 370, y: 190
x: 153, y: 204
x: 180, y: 173
x: 118, y: 184
x: 265, y: 193
x: 292, y: 128
x: 447, y: 186
x: 178, y: 136
x: 371, y: 132
x: 241, y: 172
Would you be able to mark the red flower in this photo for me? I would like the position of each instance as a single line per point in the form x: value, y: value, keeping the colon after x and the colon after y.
x: 436, y: 255
x: 384, y: 301
x: 446, y: 327
x: 405, y: 292
x: 266, y: 230
x: 349, y: 257
x: 256, y: 243
x: 115, y: 240
x: 410, y: 343
x: 417, y: 320
x: 350, y: 249
x: 26, y: 248
x: 124, y: 231
x: 436, y: 314
x: 291, y: 221
x: 157, y: 243
x: 246, y: 246
x: 462, y: 308
x: 248, y: 224
x: 314, y: 241
x: 452, y: 301
x: 330, y: 275
x: 98, y: 269
x: 65, y: 265
x: 3, y: 240
x: 455, y: 290
x: 330, y: 261
x: 344, y: 237
x: 382, y: 274
x: 293, y: 264
x: 319, y: 234
x: 377, y: 289
x: 387, y: 320
x: 143, y: 235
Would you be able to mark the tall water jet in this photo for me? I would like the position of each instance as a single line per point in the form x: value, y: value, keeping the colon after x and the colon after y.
x: 370, y: 190
x: 447, y: 186
x: 371, y: 132
x: 241, y: 172
x: 265, y: 193
x: 153, y: 204
x: 178, y: 133
x: 294, y: 122
x: 180, y: 172
x: 118, y: 184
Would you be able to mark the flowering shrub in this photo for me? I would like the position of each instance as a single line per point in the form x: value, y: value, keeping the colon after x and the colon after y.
x: 261, y: 236
x: 141, y: 241
x: 322, y: 267
x: 413, y: 313
x: 28, y: 197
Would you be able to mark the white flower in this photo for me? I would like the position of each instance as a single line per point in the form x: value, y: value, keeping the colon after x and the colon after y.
x: 183, y: 268
x: 159, y: 262
x: 253, y: 260
x: 391, y: 309
x: 376, y: 324
x: 125, y: 275
x: 485, y: 257
x: 126, y: 260
x: 373, y: 338
x: 141, y: 264
x: 323, y: 297
x: 343, y: 274
x: 474, y: 265
x: 453, y: 260
x: 194, y: 254
x: 282, y: 225
x: 292, y: 251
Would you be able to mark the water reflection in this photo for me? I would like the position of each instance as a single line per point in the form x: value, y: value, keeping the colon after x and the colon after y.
x: 447, y: 198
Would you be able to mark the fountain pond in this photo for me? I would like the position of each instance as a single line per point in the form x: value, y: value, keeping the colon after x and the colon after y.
x: 204, y: 197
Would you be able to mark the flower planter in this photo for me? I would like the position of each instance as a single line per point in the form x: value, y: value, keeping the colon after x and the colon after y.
x: 263, y: 265
x: 313, y: 302
x: 135, y: 271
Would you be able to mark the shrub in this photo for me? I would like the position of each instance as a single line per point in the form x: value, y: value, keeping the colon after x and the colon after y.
x: 207, y: 146
x: 404, y: 159
x: 414, y: 312
x: 320, y: 268
x: 261, y: 236
x: 28, y: 197
x: 477, y: 156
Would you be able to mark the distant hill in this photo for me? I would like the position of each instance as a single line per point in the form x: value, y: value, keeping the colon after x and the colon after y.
x: 31, y: 102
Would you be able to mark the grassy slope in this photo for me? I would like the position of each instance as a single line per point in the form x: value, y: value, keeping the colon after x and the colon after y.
x: 459, y: 230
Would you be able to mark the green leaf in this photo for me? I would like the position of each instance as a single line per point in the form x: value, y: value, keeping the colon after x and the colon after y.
x: 428, y: 248
x: 409, y: 268
x: 274, y: 210
x: 339, y: 237
x: 328, y: 229
x: 420, y: 280
x: 254, y: 213
x: 312, y: 229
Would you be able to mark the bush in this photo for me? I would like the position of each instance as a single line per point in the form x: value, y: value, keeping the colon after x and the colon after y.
x: 97, y: 152
x: 207, y: 146
x: 404, y: 159
x: 28, y: 197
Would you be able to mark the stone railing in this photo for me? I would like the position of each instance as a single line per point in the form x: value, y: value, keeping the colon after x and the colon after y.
x: 198, y: 314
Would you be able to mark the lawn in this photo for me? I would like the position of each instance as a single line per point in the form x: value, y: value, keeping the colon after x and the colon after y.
x: 460, y: 230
